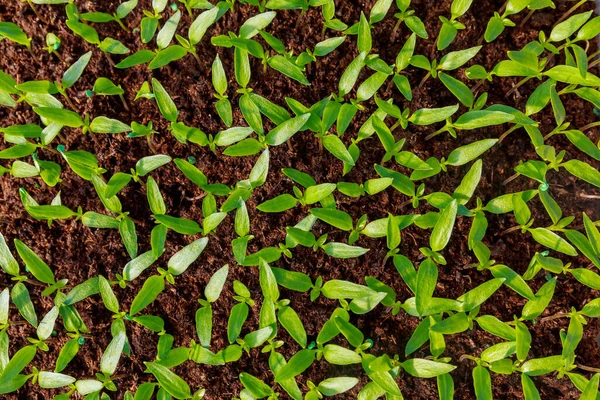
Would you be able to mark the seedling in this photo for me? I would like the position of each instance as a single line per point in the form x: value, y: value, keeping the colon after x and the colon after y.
x: 365, y: 214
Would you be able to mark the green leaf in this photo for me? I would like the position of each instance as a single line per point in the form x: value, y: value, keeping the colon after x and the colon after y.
x: 169, y: 381
x: 257, y: 388
x: 36, y: 265
x: 342, y: 250
x: 201, y: 24
x: 316, y: 193
x: 180, y: 225
x: 469, y: 152
x: 335, y: 146
x: 296, y: 365
x: 583, y: 143
x: 237, y: 318
x: 530, y: 392
x: 150, y: 163
x: 213, y: 289
x: 476, y: 119
x: 478, y: 295
x: 587, y: 277
x: 288, y: 68
x: 542, y: 366
x: 67, y: 353
x: 339, y: 355
x: 138, y: 265
x: 137, y: 58
x: 59, y: 115
x: 456, y: 59
x: 88, y: 386
x: 129, y: 236
x: 7, y: 260
x: 53, y: 380
x: 21, y: 299
x: 104, y: 86
x: 440, y: 236
x: 566, y: 28
x: 268, y: 283
x: 15, y: 33
x: 328, y: 45
x: 552, y: 241
x: 278, y: 204
x: 155, y: 199
x: 108, y: 125
x: 583, y: 171
x: 112, y: 354
x: 88, y: 33
x: 423, y: 368
x: 482, y: 383
x: 364, y: 43
x: 333, y: 386
x: 108, y: 296
x: 166, y: 56
x: 426, y: 281
x: 181, y: 260
x: 468, y: 184
x: 428, y: 116
x: 82, y: 291
x: 17, y: 363
x: 153, y: 286
x: 74, y: 72
x: 112, y: 46
x: 284, y: 131
x: 253, y: 25
x: 535, y: 307
x: 458, y: 89
x: 338, y: 289
x: 288, y: 318
x: 165, y: 103
x: 336, y: 218
x: 571, y: 75
x: 350, y: 75
x: 46, y: 326
x: 232, y: 135
x: 512, y: 280
x: 165, y: 35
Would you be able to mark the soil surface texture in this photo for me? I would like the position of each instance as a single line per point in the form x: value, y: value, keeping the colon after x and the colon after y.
x: 77, y: 253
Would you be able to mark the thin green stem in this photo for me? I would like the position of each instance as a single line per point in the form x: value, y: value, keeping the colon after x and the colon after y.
x: 424, y: 79
x: 510, y: 179
x: 56, y: 53
x: 395, y: 126
x: 122, y: 25
x: 593, y: 64
x: 68, y: 100
x: 35, y: 11
x: 594, y: 55
x: 518, y: 85
x: 571, y: 11
x: 589, y: 196
x: 555, y: 316
x: 590, y: 369
x: 590, y: 126
x: 527, y: 18
x: 509, y: 230
x: 439, y: 131
x: 508, y: 131
x: 124, y: 102
x: 478, y: 85
x: 395, y: 30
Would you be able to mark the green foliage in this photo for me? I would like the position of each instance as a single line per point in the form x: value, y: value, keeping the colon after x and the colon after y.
x: 264, y: 316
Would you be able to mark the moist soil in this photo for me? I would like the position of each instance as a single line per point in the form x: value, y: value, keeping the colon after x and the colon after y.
x: 77, y: 253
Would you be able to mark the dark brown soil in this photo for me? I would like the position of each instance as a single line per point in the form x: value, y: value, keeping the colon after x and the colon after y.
x: 76, y: 253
